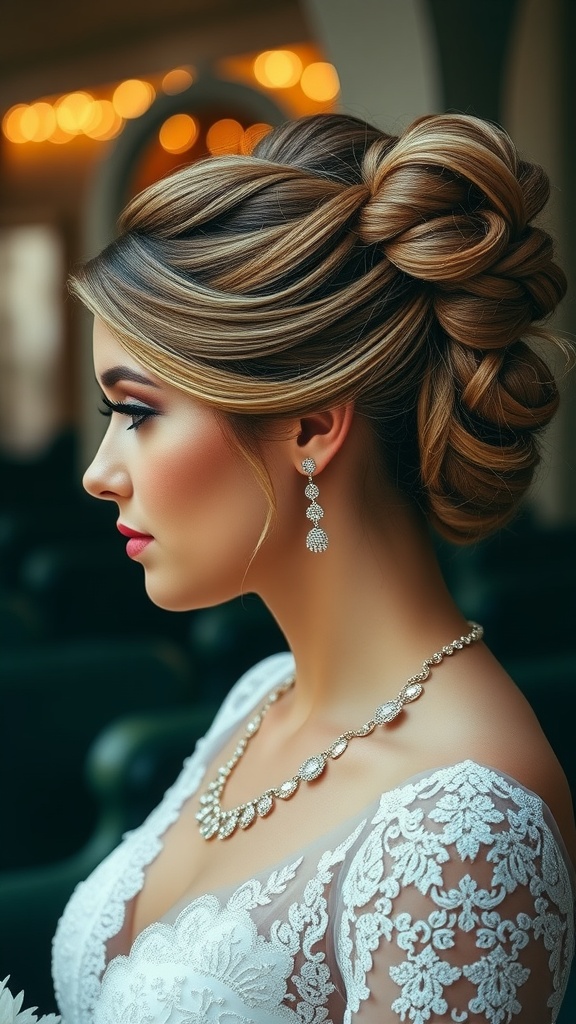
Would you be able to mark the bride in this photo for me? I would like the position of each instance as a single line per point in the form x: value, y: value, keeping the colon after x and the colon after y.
x: 310, y: 357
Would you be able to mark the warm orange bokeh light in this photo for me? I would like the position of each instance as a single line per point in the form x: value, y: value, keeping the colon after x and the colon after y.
x: 277, y: 69
x: 177, y: 80
x: 224, y: 136
x: 251, y: 137
x: 178, y: 133
x: 320, y: 82
x: 60, y: 138
x: 133, y: 97
x: 45, y: 120
x: 11, y: 123
x: 29, y: 123
x: 73, y: 112
x: 104, y: 123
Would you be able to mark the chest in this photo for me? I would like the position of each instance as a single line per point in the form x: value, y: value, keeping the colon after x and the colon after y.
x: 188, y: 865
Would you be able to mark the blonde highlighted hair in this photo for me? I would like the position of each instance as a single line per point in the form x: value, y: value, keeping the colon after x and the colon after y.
x: 339, y: 263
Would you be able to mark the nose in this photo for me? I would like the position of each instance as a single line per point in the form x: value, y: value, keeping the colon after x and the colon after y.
x: 107, y: 477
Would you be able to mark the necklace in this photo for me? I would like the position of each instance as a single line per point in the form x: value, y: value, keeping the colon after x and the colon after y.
x: 214, y: 821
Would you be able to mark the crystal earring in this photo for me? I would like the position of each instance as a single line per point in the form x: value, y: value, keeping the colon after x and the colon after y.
x: 317, y: 539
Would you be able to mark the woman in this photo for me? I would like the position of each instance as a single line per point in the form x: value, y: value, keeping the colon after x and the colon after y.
x: 310, y: 356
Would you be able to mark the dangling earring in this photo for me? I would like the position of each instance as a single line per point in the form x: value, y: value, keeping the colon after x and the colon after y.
x: 317, y: 539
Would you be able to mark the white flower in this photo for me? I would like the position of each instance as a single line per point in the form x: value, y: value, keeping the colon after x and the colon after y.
x: 10, y: 1009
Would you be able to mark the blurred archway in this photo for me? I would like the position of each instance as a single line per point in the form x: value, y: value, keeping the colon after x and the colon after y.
x: 138, y: 157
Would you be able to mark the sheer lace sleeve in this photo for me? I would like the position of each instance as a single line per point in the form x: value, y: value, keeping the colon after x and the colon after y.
x: 458, y: 906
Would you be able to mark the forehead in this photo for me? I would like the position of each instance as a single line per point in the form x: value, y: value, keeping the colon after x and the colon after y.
x: 107, y: 348
x: 112, y: 362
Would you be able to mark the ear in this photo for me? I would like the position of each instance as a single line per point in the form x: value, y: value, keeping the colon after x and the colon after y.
x: 320, y: 435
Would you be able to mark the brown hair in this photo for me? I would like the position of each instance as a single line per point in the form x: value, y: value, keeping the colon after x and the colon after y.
x: 339, y: 263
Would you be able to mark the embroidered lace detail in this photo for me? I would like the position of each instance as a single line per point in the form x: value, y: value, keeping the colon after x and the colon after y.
x: 449, y: 897
x: 504, y: 924
x: 212, y: 965
x: 96, y: 910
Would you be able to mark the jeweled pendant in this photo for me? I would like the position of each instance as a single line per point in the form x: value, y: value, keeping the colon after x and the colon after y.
x: 314, y: 512
x: 411, y: 692
x: 247, y: 816
x: 317, y: 540
x: 312, y: 768
x: 287, y: 788
x: 338, y: 748
x: 209, y: 828
x: 264, y: 805
x: 204, y: 814
x: 228, y: 825
x: 387, y: 712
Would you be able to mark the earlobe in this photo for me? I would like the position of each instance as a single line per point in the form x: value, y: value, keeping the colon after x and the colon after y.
x: 321, y: 435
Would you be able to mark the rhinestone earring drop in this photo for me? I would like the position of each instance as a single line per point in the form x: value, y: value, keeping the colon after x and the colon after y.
x: 317, y: 539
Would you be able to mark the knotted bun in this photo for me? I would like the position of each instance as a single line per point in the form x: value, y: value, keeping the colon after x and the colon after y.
x: 451, y: 204
x: 340, y: 263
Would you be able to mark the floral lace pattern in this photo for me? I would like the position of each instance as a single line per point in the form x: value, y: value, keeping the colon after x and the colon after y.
x: 464, y: 815
x: 451, y: 896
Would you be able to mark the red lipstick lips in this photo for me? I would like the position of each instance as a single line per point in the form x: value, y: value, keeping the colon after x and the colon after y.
x: 136, y: 541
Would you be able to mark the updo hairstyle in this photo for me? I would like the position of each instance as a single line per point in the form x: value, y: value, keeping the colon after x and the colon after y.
x: 339, y: 263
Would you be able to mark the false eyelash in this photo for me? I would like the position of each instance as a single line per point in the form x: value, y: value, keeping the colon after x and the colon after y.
x: 140, y: 412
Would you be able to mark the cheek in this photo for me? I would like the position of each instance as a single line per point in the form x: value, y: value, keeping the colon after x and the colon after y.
x: 206, y: 489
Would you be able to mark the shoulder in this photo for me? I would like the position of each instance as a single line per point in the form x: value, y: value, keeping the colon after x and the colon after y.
x: 468, y: 806
x: 484, y: 716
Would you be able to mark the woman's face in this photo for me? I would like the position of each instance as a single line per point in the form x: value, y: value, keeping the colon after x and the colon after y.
x: 178, y: 483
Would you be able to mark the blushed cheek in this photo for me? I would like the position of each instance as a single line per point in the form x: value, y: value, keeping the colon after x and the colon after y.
x: 206, y: 489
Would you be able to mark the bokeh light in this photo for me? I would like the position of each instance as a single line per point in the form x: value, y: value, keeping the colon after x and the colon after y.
x: 45, y: 118
x: 133, y: 97
x: 178, y: 133
x: 59, y: 137
x: 73, y: 111
x: 29, y: 123
x: 252, y: 135
x: 177, y: 80
x: 277, y: 69
x: 224, y: 136
x: 105, y: 123
x: 11, y: 123
x: 320, y: 82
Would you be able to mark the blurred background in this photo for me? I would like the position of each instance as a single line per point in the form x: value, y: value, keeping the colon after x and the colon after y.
x: 102, y: 694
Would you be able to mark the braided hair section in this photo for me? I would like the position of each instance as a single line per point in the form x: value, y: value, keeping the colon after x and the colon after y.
x: 452, y: 205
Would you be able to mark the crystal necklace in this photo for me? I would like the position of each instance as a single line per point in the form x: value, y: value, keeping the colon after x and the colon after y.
x: 214, y: 821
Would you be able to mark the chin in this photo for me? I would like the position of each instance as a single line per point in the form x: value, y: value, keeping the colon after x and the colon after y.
x: 172, y: 600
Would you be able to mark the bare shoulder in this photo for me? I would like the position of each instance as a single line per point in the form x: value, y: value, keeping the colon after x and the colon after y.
x: 482, y: 715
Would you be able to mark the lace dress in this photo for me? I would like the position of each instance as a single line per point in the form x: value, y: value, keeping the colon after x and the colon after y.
x: 449, y: 898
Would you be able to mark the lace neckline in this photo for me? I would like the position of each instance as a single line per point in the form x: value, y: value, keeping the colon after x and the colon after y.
x: 339, y: 835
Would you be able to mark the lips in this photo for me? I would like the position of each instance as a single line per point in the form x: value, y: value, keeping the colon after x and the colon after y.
x: 136, y: 541
x: 127, y: 531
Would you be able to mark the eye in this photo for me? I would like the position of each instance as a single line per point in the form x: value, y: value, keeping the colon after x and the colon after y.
x: 139, y: 413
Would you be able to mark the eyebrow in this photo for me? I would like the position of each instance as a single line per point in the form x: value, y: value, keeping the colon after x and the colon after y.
x: 116, y: 373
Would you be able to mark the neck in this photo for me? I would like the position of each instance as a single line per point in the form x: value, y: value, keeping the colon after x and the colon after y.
x: 361, y: 617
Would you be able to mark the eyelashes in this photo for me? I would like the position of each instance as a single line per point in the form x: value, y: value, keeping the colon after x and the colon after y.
x: 139, y: 413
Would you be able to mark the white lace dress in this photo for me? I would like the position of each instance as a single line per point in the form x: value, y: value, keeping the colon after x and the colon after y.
x: 450, y: 898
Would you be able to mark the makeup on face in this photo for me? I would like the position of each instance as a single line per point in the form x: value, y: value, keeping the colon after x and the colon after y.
x: 189, y: 510
x: 136, y: 541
